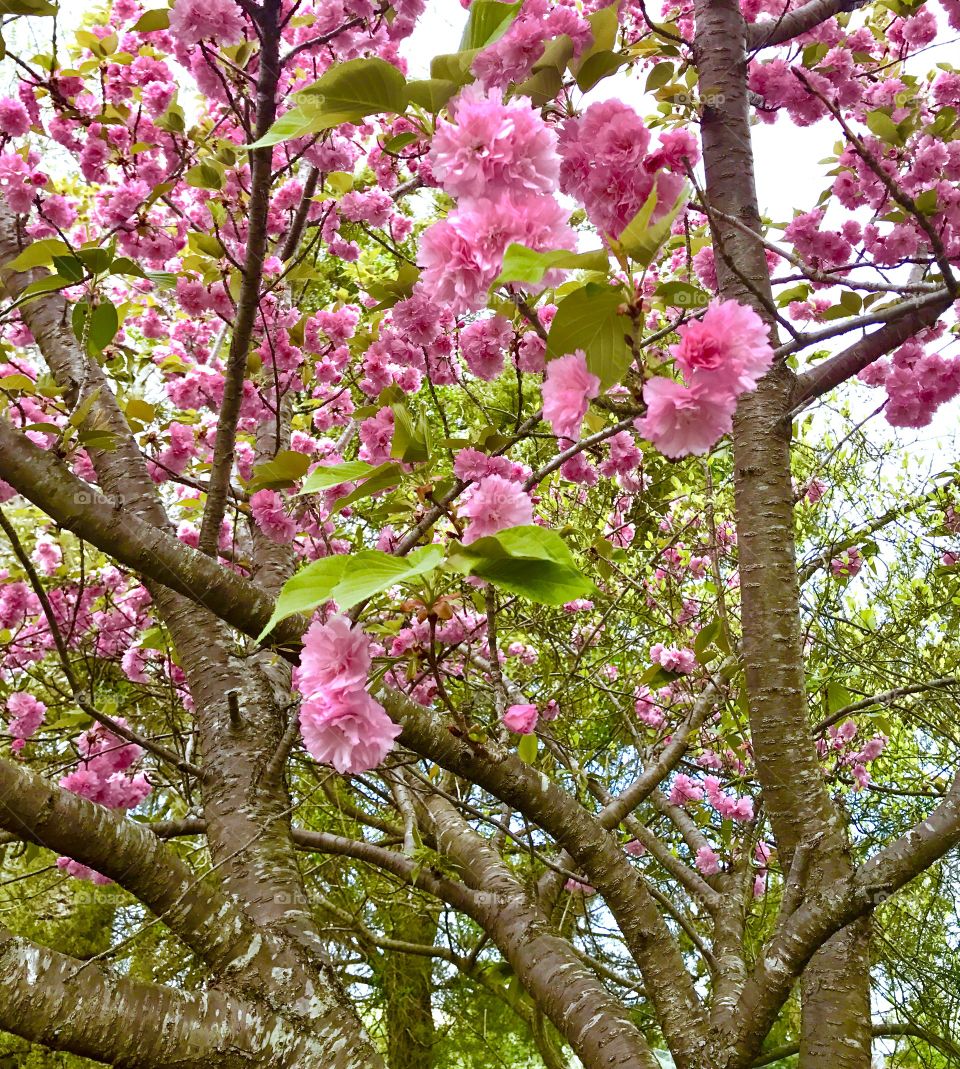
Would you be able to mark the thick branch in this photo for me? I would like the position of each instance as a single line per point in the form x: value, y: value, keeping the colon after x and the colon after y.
x: 823, y: 377
x: 79, y: 1007
x: 794, y: 23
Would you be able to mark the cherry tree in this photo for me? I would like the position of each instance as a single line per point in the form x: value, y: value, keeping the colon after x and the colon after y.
x: 454, y: 547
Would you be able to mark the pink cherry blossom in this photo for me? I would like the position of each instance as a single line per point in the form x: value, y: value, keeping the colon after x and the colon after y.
x: 725, y: 352
x: 482, y: 344
x: 267, y: 509
x: 568, y: 388
x: 708, y: 861
x: 520, y: 719
x: 494, y: 148
x: 26, y: 715
x: 14, y: 120
x: 495, y: 504
x: 335, y: 657
x: 462, y: 254
x: 193, y: 20
x: 685, y: 790
x: 679, y: 421
x: 349, y: 730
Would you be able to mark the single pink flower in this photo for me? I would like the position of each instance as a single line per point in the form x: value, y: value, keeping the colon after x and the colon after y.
x: 520, y: 719
x: 335, y: 657
x: 349, y: 730
x: 494, y: 147
x: 266, y: 507
x: 680, y: 421
x: 708, y: 861
x: 495, y: 504
x: 568, y: 388
x: 725, y: 351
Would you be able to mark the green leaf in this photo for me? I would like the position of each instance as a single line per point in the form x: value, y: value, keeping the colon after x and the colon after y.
x: 69, y: 267
x: 95, y: 259
x: 642, y: 238
x: 283, y: 470
x: 19, y: 383
x: 303, y: 592
x: 104, y: 323
x: 531, y: 561
x: 682, y: 295
x: 39, y: 253
x: 589, y: 319
x: 656, y: 676
x: 658, y: 77
x: 411, y: 441
x: 382, y: 478
x: 27, y: 7
x: 838, y: 697
x: 926, y: 202
x: 521, y: 264
x: 205, y: 175
x: 371, y: 572
x: 157, y: 18
x: 45, y: 285
x: 334, y: 475
x: 706, y: 637
x: 454, y: 66
x: 880, y: 124
x: 348, y: 92
x: 527, y: 749
x: 597, y: 67
x: 431, y: 94
x: 348, y: 580
x: 399, y: 141
x: 489, y: 20
x: 297, y: 122
x: 125, y: 266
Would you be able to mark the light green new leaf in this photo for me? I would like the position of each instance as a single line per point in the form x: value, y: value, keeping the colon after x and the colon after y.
x: 348, y: 92
x: 283, y: 470
x: 489, y: 20
x: 349, y: 579
x: 531, y: 561
x: 157, y: 18
x: 303, y: 592
x: 521, y: 264
x: 371, y: 572
x: 334, y: 475
x: 527, y: 749
x: 39, y: 254
x: 642, y: 238
x: 431, y: 94
x: 590, y: 319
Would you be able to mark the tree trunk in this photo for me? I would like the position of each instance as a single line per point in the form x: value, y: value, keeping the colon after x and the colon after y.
x: 836, y: 998
x: 408, y: 986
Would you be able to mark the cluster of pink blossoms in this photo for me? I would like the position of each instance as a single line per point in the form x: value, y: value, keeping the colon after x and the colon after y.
x: 341, y: 724
x: 721, y: 356
x: 606, y: 165
x: 840, y: 744
x: 104, y: 776
x: 218, y: 20
x: 499, y: 160
x: 26, y: 715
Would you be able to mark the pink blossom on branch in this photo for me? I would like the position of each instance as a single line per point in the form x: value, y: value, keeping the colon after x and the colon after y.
x: 568, y: 388
x: 495, y: 504
x: 494, y: 148
x: 520, y: 719
x: 341, y: 724
x: 193, y: 20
